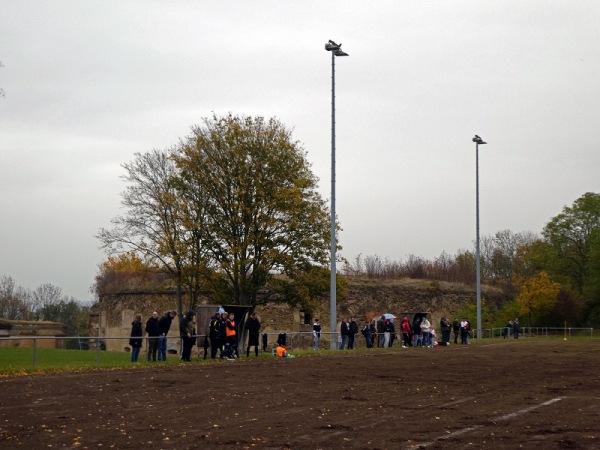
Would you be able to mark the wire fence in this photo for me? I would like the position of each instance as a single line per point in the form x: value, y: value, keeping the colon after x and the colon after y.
x: 565, y: 332
x: 293, y: 341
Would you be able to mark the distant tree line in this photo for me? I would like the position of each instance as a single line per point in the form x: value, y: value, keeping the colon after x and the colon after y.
x: 498, y: 256
x: 552, y: 278
x: 46, y: 302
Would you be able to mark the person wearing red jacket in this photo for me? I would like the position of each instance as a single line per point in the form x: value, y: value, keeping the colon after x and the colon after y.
x: 406, y: 332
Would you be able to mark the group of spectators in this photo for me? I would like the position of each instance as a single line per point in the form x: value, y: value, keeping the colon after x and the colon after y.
x: 157, y: 330
x: 461, y: 329
x: 222, y: 337
x: 420, y: 333
x: 512, y: 327
x: 382, y: 332
x: 349, y: 330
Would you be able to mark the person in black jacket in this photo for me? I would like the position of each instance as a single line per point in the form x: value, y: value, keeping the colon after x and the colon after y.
x: 456, y: 330
x: 205, y: 345
x: 366, y: 332
x: 164, y: 325
x: 265, y: 341
x: 352, y: 332
x: 187, y: 332
x: 253, y: 327
x: 344, y: 331
x: 507, y: 331
x: 223, y: 333
x: 380, y: 330
x: 392, y: 332
x: 153, y: 330
x: 316, y: 335
x: 136, y: 338
x: 214, y: 332
x: 446, y: 327
x: 388, y: 329
x: 417, y: 333
x: 373, y: 332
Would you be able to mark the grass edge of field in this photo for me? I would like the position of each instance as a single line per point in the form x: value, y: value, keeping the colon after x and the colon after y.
x: 18, y: 361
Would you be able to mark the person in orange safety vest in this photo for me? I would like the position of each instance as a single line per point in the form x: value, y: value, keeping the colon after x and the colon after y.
x: 282, y: 352
x: 231, y: 335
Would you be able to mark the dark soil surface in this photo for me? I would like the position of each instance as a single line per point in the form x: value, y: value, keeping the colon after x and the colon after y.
x: 498, y: 395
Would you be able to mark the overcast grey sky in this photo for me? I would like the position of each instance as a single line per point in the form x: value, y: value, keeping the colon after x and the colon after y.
x: 90, y: 83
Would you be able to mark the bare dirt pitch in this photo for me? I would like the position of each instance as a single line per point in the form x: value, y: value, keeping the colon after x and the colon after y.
x: 500, y: 395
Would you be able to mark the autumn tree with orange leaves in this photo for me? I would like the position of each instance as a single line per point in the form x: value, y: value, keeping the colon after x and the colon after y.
x: 537, y: 295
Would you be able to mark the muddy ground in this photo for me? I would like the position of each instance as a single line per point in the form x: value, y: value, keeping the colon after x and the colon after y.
x: 500, y: 395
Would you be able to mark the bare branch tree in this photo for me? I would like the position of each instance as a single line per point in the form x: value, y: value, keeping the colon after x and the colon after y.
x: 153, y: 224
x: 15, y: 301
x: 44, y: 296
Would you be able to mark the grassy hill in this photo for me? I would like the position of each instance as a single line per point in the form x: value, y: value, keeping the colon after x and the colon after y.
x: 365, y: 296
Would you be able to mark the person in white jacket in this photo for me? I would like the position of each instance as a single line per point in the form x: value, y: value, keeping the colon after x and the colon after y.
x: 426, y: 328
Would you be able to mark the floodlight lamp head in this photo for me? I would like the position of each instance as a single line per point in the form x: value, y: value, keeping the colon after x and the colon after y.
x: 478, y: 140
x: 332, y: 46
